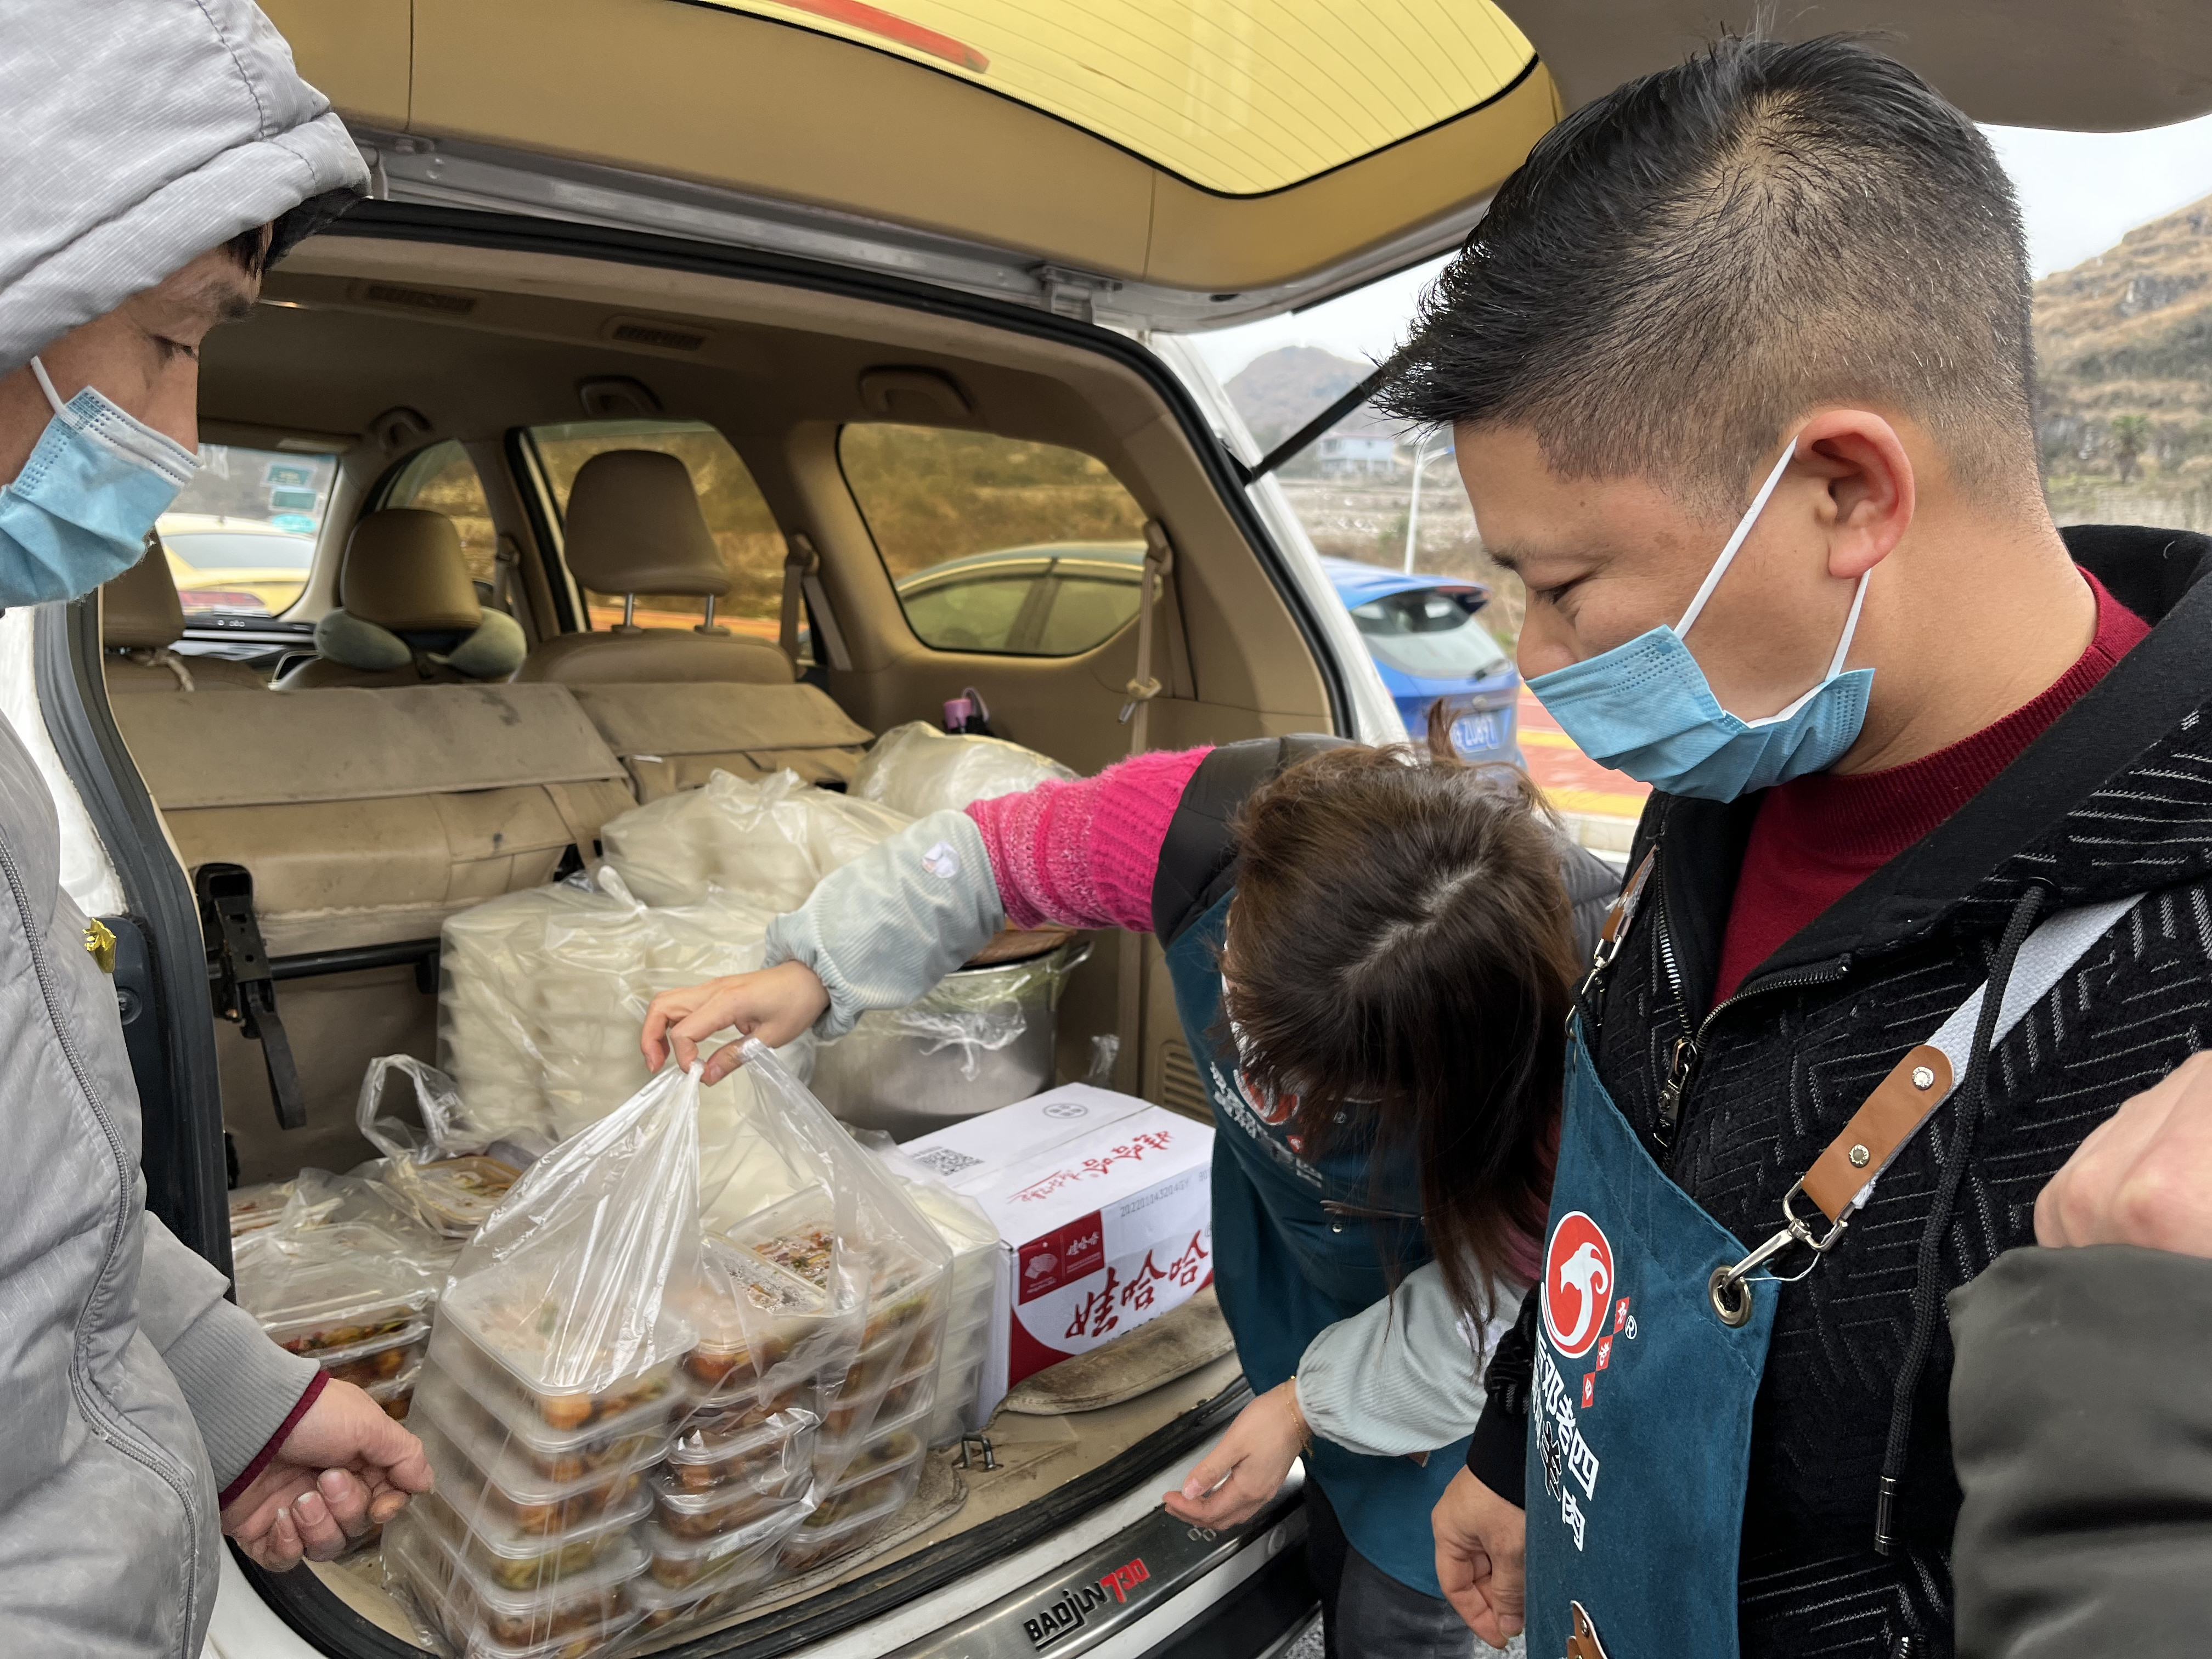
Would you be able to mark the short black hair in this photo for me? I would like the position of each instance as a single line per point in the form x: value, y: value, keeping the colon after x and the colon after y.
x: 1682, y: 268
x: 250, y: 249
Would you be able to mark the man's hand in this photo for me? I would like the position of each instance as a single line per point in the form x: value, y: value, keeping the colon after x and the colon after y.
x: 344, y: 1469
x: 774, y: 1004
x: 1480, y: 1542
x: 2144, y: 1175
x: 1249, y: 1465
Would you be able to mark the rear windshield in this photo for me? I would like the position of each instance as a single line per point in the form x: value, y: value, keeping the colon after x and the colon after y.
x: 1430, y: 633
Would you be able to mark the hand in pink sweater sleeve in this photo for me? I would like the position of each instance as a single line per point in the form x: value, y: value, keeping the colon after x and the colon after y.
x: 1083, y: 853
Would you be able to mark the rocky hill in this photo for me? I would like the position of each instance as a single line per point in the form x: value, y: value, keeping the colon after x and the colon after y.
x: 1280, y: 390
x: 2124, y: 349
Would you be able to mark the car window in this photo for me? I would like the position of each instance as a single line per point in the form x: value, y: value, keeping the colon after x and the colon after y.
x: 1087, y: 611
x: 241, y: 536
x: 443, y: 479
x: 969, y: 523
x: 1430, y: 633
x: 736, y: 515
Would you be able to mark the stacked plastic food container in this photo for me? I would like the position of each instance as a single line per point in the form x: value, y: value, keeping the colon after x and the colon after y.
x: 971, y: 1283
x: 627, y: 1432
x: 363, y: 1319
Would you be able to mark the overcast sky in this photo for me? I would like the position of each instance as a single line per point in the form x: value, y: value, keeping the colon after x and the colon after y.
x: 2079, y: 192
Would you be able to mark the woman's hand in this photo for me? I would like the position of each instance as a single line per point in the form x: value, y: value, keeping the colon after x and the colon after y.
x: 774, y: 1004
x: 1248, y: 1466
x: 1481, y: 1542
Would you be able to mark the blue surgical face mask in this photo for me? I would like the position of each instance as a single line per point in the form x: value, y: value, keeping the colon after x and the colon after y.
x: 79, y: 512
x: 1645, y: 708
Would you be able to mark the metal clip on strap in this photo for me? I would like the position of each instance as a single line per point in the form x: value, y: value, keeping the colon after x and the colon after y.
x: 1728, y: 1289
x: 238, y: 965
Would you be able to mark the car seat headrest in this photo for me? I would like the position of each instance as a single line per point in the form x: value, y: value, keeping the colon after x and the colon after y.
x: 139, y: 609
x: 492, y: 650
x: 404, y: 571
x: 633, y: 527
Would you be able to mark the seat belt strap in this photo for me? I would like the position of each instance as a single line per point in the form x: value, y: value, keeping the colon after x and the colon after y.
x: 798, y: 562
x: 506, y: 562
x: 583, y: 829
x: 1159, y: 559
x: 1842, y: 1178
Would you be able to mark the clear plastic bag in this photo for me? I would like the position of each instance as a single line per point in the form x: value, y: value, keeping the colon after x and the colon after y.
x: 972, y: 1238
x: 552, y: 1384
x: 344, y: 1278
x: 453, y: 1177
x: 917, y: 769
x: 768, y: 841
x: 542, y: 994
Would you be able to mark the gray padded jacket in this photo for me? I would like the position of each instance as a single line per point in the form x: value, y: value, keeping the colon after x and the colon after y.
x: 134, y: 135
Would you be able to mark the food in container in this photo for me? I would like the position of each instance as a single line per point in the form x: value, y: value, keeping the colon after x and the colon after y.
x: 523, y: 1561
x: 455, y: 1194
x: 255, y: 1207
x: 761, y: 1456
x: 488, y: 1620
x: 543, y: 1453
x: 750, y: 1315
x: 685, y: 1513
x: 748, y: 1552
x: 824, y: 1536
x: 492, y: 1489
x: 498, y: 1346
x: 891, y: 1465
x: 397, y: 1393
x: 664, y: 1601
x: 906, y: 1395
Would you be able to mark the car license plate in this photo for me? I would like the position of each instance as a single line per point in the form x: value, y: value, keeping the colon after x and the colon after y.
x: 1471, y: 734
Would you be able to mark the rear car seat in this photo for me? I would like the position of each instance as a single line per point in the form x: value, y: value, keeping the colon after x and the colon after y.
x: 674, y: 737
x: 408, y: 612
x: 140, y: 619
x: 365, y: 818
x: 633, y: 527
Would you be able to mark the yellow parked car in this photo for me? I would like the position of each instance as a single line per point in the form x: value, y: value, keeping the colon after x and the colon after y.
x: 234, y: 567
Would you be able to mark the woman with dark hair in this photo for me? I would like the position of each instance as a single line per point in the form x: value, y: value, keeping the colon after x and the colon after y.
x: 1371, y: 956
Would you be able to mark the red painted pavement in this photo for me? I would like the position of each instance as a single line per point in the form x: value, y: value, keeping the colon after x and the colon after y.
x: 1575, y: 782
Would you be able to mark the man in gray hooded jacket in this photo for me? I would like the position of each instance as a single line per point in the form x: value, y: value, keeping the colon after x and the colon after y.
x: 154, y: 155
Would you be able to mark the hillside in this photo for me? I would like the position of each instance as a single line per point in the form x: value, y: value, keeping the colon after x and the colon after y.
x: 1280, y: 391
x: 2123, y: 350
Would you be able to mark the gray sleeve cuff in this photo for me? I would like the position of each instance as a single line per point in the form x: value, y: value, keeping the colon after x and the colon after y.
x: 881, y: 931
x: 1400, y: 1376
x: 240, y: 1386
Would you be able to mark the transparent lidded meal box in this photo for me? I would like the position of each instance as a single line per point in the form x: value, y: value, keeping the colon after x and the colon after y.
x: 689, y: 1513
x: 456, y: 1194
x: 337, y: 1306
x: 397, y: 1393
x: 578, y: 1615
x: 490, y: 1492
x: 700, y: 1459
x: 901, y: 1399
x: 520, y: 1561
x: 524, y: 1442
x: 505, y: 1342
x: 697, y: 1595
x: 763, y: 1330
x: 828, y: 1533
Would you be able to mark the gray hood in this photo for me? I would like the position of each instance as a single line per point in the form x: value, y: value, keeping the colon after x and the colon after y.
x: 135, y: 135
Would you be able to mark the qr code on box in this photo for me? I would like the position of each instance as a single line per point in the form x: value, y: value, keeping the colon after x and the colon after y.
x: 944, y: 1161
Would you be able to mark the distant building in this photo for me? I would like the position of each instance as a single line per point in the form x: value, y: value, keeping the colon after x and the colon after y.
x: 1358, y: 454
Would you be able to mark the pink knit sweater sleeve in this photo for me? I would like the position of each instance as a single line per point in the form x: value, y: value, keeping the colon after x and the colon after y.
x: 1083, y: 853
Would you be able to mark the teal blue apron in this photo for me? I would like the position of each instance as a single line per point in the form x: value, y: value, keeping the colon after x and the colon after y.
x: 1653, y: 1334
x: 1639, y: 1411
x: 1286, y: 1265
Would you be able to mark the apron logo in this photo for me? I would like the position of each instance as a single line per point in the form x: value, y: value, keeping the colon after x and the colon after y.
x: 1579, y: 1284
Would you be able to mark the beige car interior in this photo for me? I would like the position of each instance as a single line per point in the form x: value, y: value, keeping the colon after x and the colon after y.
x: 403, y: 586
x: 633, y: 527
x: 367, y: 808
x: 141, y: 620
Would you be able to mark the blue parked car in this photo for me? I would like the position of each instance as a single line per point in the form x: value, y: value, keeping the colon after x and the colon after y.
x: 1422, y: 633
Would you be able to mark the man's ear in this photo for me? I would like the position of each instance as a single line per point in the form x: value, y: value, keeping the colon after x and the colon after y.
x: 1869, y: 491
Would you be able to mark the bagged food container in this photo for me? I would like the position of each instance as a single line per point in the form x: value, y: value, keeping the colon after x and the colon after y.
x: 795, y: 1201
x: 917, y: 769
x: 448, y: 1177
x: 580, y: 1613
x: 542, y: 994
x: 554, y: 1382
x: 982, y: 1038
x: 972, y: 1289
x: 694, y: 1583
x: 769, y: 840
x: 354, y: 1297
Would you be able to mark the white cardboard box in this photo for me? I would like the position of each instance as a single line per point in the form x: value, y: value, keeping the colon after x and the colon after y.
x: 1105, y: 1218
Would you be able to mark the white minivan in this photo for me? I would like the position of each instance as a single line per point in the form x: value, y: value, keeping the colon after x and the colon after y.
x: 898, y: 286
